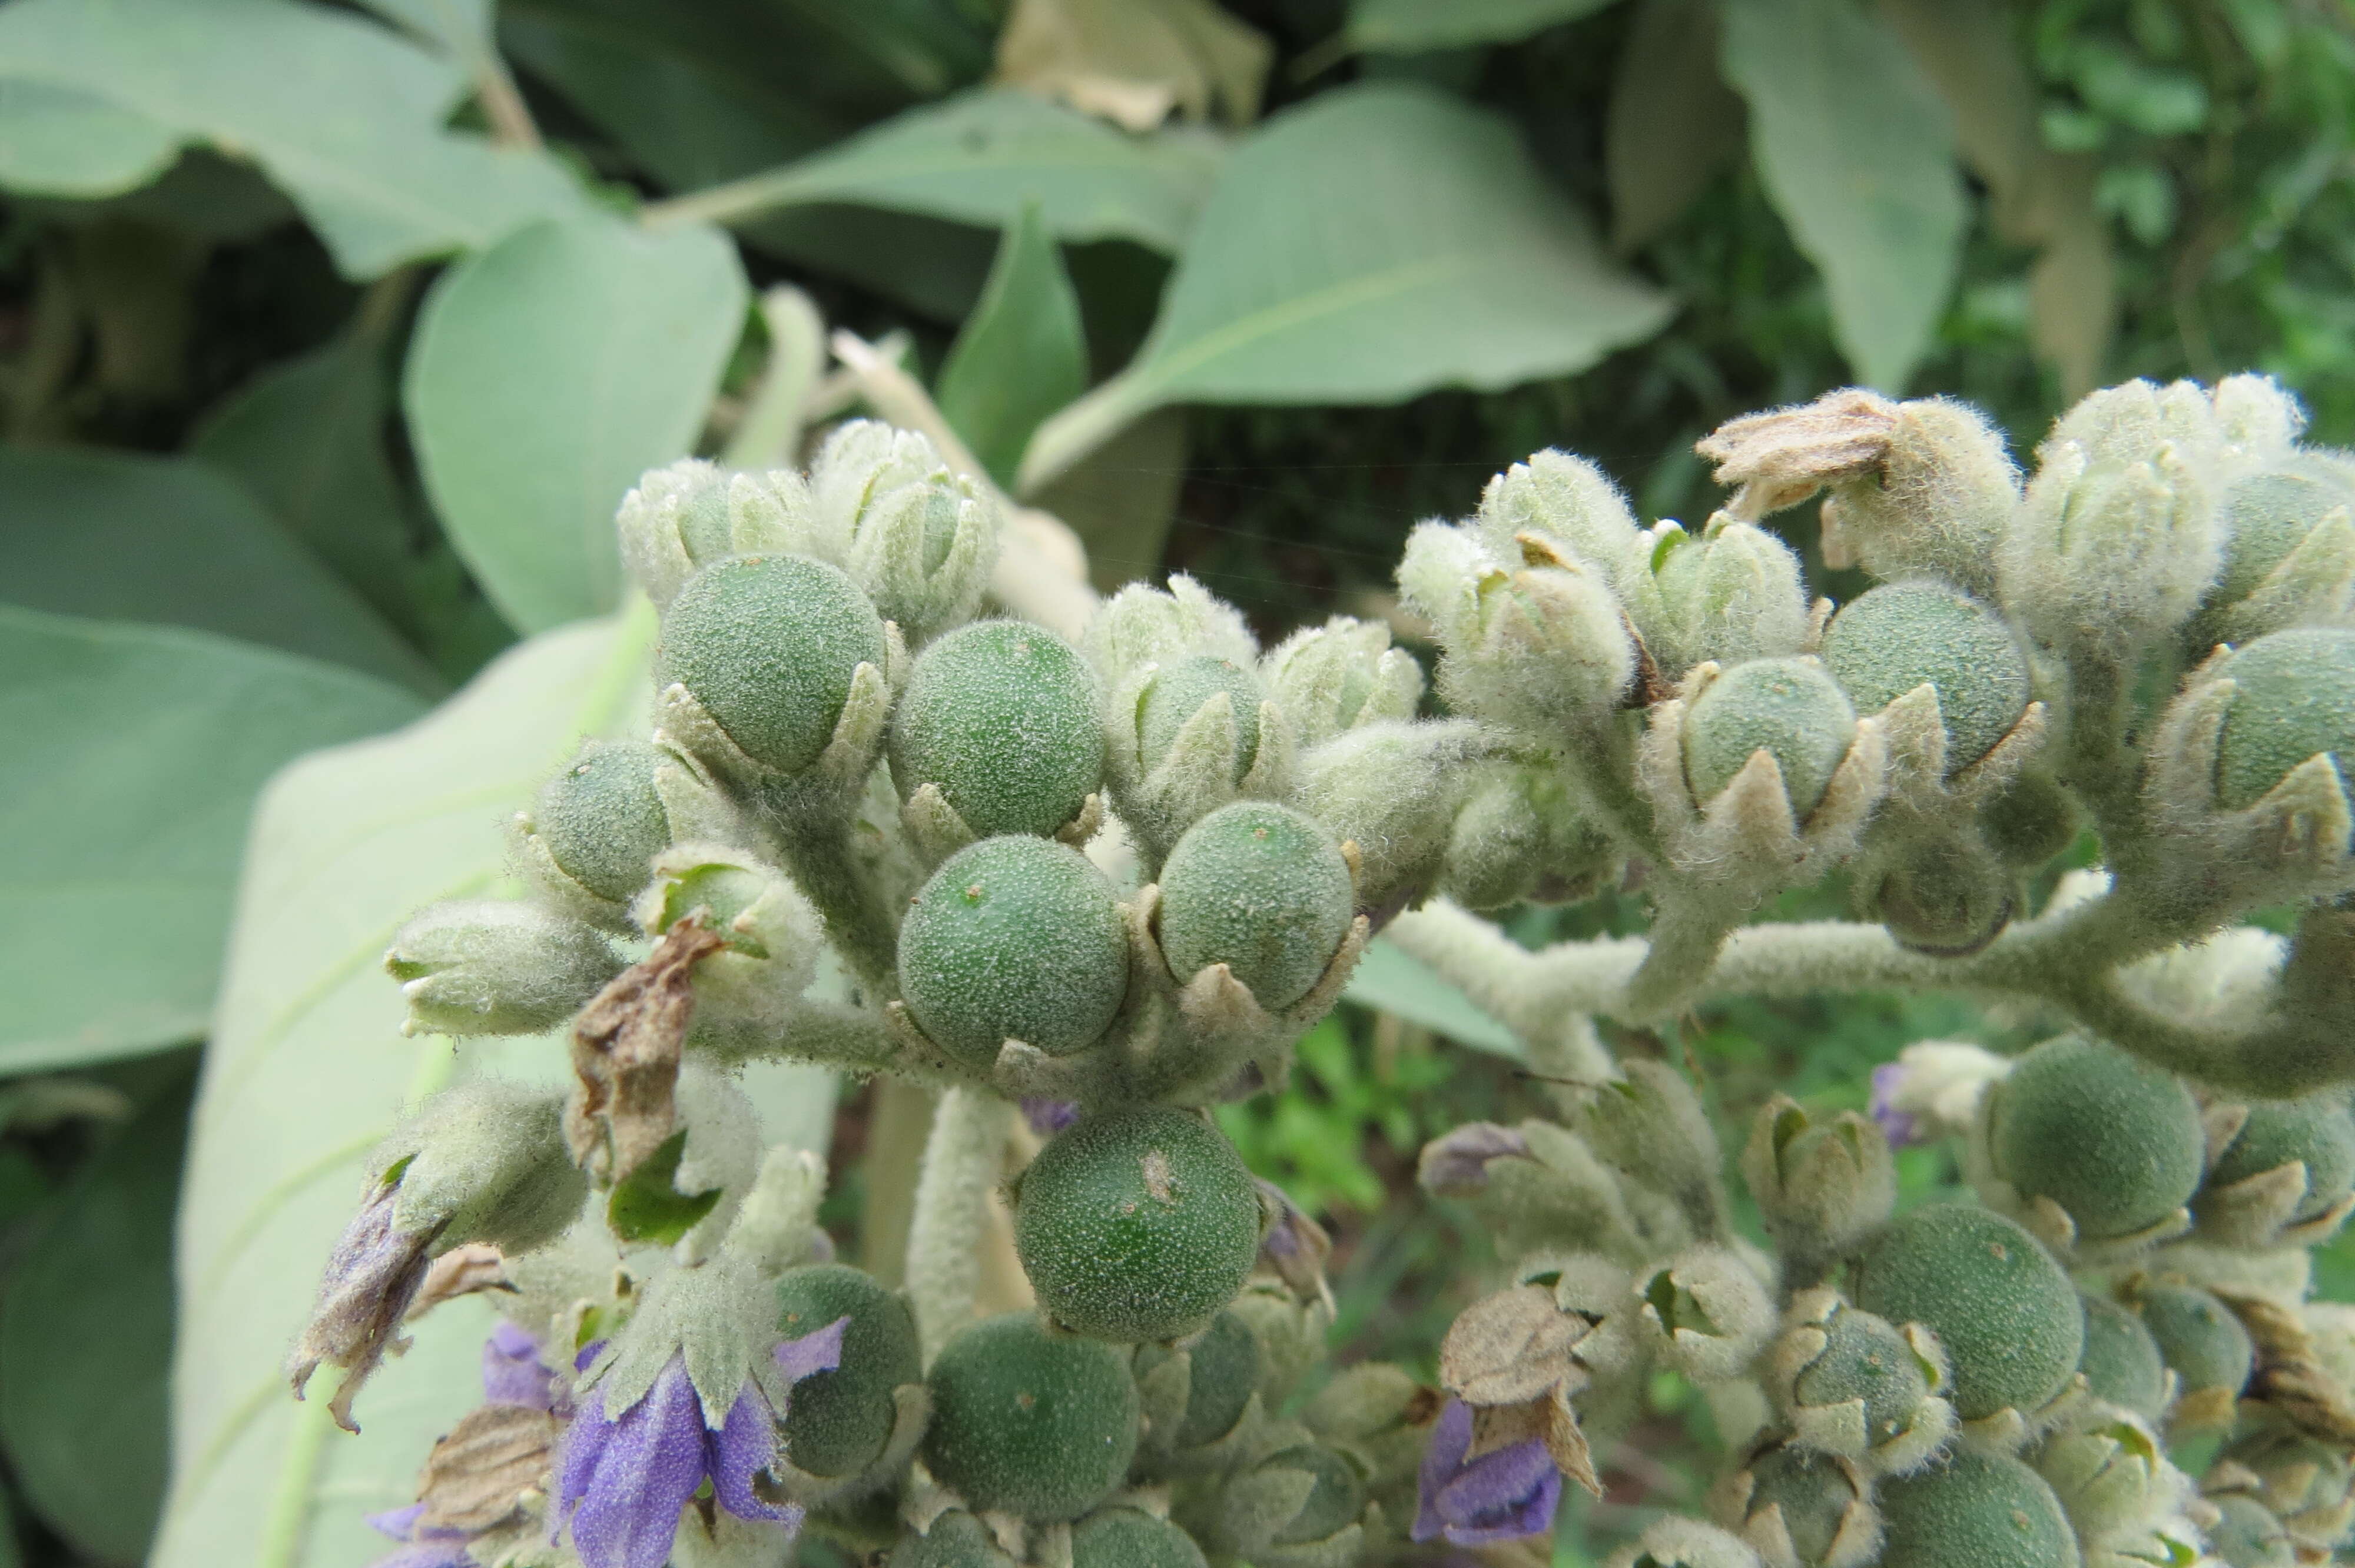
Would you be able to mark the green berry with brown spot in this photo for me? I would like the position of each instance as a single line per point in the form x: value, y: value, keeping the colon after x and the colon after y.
x: 602, y: 820
x: 2005, y: 1312
x: 1001, y: 718
x: 2122, y: 1361
x: 2201, y: 1337
x: 2316, y: 1132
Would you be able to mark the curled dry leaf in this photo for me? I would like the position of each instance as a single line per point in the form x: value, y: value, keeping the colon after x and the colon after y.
x: 626, y: 1055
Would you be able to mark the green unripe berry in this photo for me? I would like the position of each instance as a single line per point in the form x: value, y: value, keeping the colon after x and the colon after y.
x: 1014, y: 938
x: 1262, y: 889
x: 2111, y: 1140
x: 2267, y: 515
x: 2007, y: 1315
x: 1001, y: 716
x: 1139, y: 1223
x: 1865, y: 1358
x: 2316, y: 1132
x: 2121, y: 1362
x: 1127, y: 1538
x: 768, y: 645
x: 602, y: 820
x: 1899, y: 635
x: 1813, y: 1492
x: 1971, y: 1508
x: 2248, y: 1535
x: 2199, y: 1336
x: 956, y: 1540
x: 1224, y: 1374
x: 2293, y: 696
x: 1789, y: 708
x: 838, y: 1422
x: 1178, y: 693
x: 1334, y: 1502
x: 1029, y: 1420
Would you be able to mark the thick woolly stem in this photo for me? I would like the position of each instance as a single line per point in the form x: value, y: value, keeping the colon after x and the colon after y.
x: 962, y: 1160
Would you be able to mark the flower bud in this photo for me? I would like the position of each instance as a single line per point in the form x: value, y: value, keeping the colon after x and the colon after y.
x: 1127, y: 1537
x: 1943, y: 489
x: 1001, y: 718
x: 2294, y: 697
x: 2306, y: 1482
x: 1707, y: 1312
x: 1142, y: 625
x: 2112, y: 1142
x: 1932, y: 1090
x: 682, y: 518
x: 2122, y: 1362
x: 1677, y: 1543
x: 2200, y: 1339
x: 1296, y: 1497
x: 1905, y: 635
x: 1029, y: 1422
x: 2005, y: 1314
x: 1650, y: 1125
x: 773, y: 935
x: 954, y: 1539
x: 1854, y: 1384
x: 2291, y: 1164
x: 1733, y: 594
x: 1264, y: 891
x: 1569, y: 501
x: 488, y: 967
x: 1330, y: 678
x: 768, y: 645
x: 1821, y: 1187
x: 1543, y: 649
x: 1973, y: 1509
x: 1520, y: 836
x: 1801, y: 1509
x: 919, y: 538
x: 1790, y: 709
x: 1138, y: 1224
x: 1393, y: 789
x: 839, y: 1422
x: 1016, y: 937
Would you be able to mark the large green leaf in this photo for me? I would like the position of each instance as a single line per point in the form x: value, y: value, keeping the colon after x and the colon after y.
x: 118, y: 536
x: 981, y: 156
x: 548, y: 373
x: 1673, y: 123
x: 133, y: 755
x: 1022, y: 355
x: 1375, y: 243
x: 86, y: 1342
x: 1857, y: 152
x: 1416, y: 27
x: 63, y: 141
x: 344, y: 113
x: 1390, y: 978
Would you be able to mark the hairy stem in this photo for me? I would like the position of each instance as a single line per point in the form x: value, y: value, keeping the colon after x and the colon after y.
x: 962, y: 1159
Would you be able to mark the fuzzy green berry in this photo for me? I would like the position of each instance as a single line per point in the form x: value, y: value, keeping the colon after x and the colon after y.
x: 2293, y: 696
x: 768, y: 645
x: 1262, y: 889
x: 1224, y: 1374
x: 1001, y: 716
x: 2007, y: 1315
x: 1127, y: 1537
x: 956, y: 1540
x: 1971, y: 1508
x: 2267, y: 515
x: 2113, y: 1141
x: 1139, y: 1223
x: 1178, y: 693
x: 1028, y: 1421
x: 838, y: 1422
x: 602, y: 820
x: 2247, y: 1535
x: 1813, y: 1492
x: 1014, y: 938
x: 2199, y: 1336
x: 1334, y: 1499
x: 1865, y: 1358
x: 1789, y: 708
x: 1900, y: 635
x: 2121, y: 1362
x: 2316, y: 1132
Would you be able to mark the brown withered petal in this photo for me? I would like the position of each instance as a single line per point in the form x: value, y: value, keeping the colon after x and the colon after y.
x: 1782, y: 457
x: 364, y: 1291
x: 625, y: 1053
x: 474, y: 1479
x: 461, y: 1271
x: 1510, y: 1348
x: 1548, y: 1419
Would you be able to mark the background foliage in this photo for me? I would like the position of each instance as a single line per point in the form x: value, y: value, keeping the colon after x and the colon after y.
x: 330, y: 334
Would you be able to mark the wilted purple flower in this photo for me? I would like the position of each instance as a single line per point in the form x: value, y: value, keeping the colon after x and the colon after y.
x: 370, y: 1279
x: 1500, y: 1496
x: 1887, y: 1082
x: 1048, y: 1118
x: 624, y: 1477
x: 513, y: 1372
x: 1294, y: 1246
x: 427, y: 1547
x: 1455, y: 1164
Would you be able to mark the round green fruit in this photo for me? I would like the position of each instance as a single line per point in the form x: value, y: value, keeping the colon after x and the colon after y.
x: 1127, y: 1537
x: 1223, y: 1375
x: 1262, y: 889
x: 1334, y: 1499
x: 2200, y: 1336
x: 2005, y: 1312
x: 1971, y: 1508
x: 1812, y: 1490
x: 1001, y: 716
x: 837, y: 1423
x: 601, y: 818
x: 1902, y: 635
x: 2293, y: 696
x: 2111, y: 1140
x: 1790, y: 709
x: 1028, y: 1421
x: 2316, y: 1132
x: 2122, y: 1362
x: 956, y: 1540
x: 1178, y: 693
x: 1014, y: 938
x: 768, y: 644
x: 1865, y: 1358
x: 1139, y: 1223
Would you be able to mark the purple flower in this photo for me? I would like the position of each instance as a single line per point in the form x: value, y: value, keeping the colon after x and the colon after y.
x: 427, y: 1548
x: 371, y: 1280
x: 1500, y: 1496
x: 1887, y: 1082
x: 513, y: 1372
x: 624, y: 1477
x: 1048, y: 1118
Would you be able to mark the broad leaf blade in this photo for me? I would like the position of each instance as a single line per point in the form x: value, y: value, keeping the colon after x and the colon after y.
x: 1376, y: 243
x: 1022, y: 355
x: 1419, y: 26
x: 1390, y: 978
x: 62, y: 142
x: 1858, y: 153
x: 547, y: 373
x: 133, y: 756
x: 1673, y: 122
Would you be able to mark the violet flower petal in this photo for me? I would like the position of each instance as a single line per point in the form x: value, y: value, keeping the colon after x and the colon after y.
x: 429, y: 1549
x: 512, y: 1370
x: 1450, y: 1439
x: 1047, y: 1118
x: 647, y: 1467
x: 399, y: 1523
x: 746, y: 1444
x: 812, y: 1353
x: 1502, y: 1496
x: 1887, y: 1080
